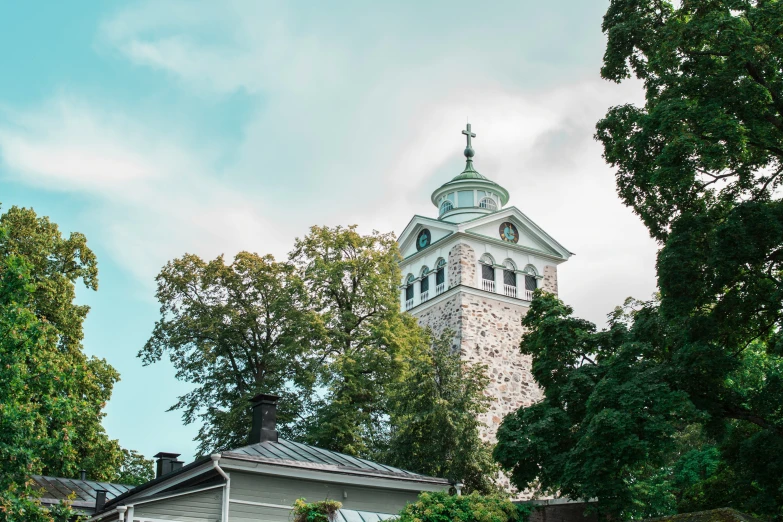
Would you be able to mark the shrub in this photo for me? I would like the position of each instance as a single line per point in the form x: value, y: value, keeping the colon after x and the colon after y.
x: 323, y: 511
x: 442, y: 507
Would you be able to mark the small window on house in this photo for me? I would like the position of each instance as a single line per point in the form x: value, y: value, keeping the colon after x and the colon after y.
x: 530, y: 283
x: 488, y: 203
x: 445, y: 207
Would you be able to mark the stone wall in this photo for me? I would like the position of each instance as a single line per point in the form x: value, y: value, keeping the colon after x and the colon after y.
x: 550, y: 279
x: 490, y: 334
x: 462, y: 266
x: 446, y: 315
x: 488, y: 331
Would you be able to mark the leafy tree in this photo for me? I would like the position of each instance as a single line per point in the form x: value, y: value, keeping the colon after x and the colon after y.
x: 360, y: 334
x: 700, y: 163
x: 435, y: 419
x: 618, y: 424
x: 56, y: 263
x: 439, y: 507
x: 709, y: 135
x: 37, y: 384
x: 234, y: 330
x: 51, y: 393
x: 135, y: 469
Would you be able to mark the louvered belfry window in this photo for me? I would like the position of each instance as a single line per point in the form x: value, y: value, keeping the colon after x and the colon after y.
x: 509, y: 278
x: 425, y: 284
x: 487, y: 272
x: 409, y: 292
x: 440, y: 276
x: 530, y: 283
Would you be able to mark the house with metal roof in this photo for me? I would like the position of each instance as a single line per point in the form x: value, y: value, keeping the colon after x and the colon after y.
x: 261, y: 481
x: 87, y: 494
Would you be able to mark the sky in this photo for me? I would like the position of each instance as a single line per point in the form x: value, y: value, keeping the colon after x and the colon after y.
x: 169, y: 127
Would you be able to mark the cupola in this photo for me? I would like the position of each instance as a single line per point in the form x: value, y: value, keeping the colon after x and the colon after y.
x: 469, y: 195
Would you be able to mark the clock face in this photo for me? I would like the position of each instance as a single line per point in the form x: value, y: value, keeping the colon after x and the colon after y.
x: 509, y: 232
x: 423, y: 240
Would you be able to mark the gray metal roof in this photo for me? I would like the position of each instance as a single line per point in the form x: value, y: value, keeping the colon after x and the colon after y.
x: 303, y: 455
x: 54, y: 489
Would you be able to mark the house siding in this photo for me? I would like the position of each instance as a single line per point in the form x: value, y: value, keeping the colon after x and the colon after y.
x: 280, y: 491
x: 202, y: 506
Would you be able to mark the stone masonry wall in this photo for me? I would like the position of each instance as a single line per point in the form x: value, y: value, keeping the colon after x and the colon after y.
x: 490, y: 334
x: 462, y: 266
x: 487, y: 331
x: 444, y: 316
x: 550, y: 279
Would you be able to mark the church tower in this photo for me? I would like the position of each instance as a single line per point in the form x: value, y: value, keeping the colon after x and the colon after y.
x: 473, y: 270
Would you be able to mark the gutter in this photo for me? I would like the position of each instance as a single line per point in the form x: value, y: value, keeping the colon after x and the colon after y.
x: 226, y: 488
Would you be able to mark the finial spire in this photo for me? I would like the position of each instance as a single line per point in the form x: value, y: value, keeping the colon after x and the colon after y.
x: 469, y: 152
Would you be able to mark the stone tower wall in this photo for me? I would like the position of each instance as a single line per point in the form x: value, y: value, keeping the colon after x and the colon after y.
x: 488, y: 331
x: 550, y: 279
x: 462, y: 266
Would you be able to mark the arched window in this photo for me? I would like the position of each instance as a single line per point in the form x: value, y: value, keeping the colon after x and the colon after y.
x: 445, y: 207
x: 509, y: 278
x: 440, y: 276
x: 487, y: 273
x: 424, y: 284
x: 488, y: 203
x: 531, y: 281
x: 409, y: 292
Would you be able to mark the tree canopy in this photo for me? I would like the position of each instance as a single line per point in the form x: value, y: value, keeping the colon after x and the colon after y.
x: 434, y: 416
x: 323, y: 330
x: 234, y: 330
x: 439, y: 507
x: 51, y: 394
x: 676, y: 405
x: 362, y: 337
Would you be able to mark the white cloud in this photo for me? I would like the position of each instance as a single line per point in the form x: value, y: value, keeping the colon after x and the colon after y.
x: 153, y: 198
x: 345, y: 123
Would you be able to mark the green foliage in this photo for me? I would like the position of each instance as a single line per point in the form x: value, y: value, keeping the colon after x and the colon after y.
x: 322, y: 511
x: 52, y: 395
x: 21, y: 503
x: 434, y: 418
x: 442, y: 507
x: 524, y: 511
x: 323, y: 331
x: 360, y: 335
x: 676, y: 406
x: 135, y: 469
x: 233, y: 330
x: 709, y: 135
x: 625, y: 418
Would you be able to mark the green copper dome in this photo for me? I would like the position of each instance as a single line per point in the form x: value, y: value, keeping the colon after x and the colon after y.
x: 469, y: 172
x: 469, y: 194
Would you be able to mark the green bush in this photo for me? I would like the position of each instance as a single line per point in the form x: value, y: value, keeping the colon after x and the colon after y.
x: 442, y: 507
x: 323, y: 511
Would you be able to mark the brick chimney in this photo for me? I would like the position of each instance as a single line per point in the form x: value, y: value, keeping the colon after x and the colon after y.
x: 264, y: 418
